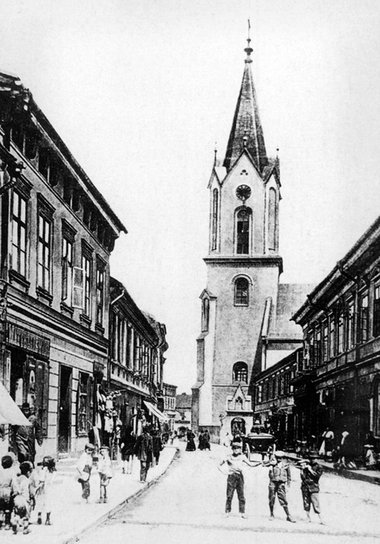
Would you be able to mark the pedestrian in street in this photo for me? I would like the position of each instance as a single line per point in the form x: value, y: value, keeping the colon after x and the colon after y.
x: 24, y: 500
x: 144, y: 452
x: 46, y: 477
x: 105, y: 472
x: 7, y: 486
x: 327, y: 444
x: 279, y: 477
x: 346, y: 450
x: 127, y: 446
x: 84, y: 468
x: 157, y: 445
x: 311, y: 472
x: 235, y: 462
x: 190, y: 446
x: 25, y: 436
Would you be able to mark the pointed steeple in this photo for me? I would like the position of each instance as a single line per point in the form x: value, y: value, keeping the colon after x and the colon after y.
x: 246, y: 131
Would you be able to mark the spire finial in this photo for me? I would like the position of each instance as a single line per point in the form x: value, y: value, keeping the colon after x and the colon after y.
x: 248, y: 49
x: 216, y: 154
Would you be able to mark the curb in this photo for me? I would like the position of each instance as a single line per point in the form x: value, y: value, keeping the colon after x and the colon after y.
x: 345, y: 473
x: 99, y: 521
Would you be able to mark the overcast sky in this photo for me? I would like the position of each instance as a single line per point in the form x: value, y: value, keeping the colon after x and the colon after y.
x: 141, y: 90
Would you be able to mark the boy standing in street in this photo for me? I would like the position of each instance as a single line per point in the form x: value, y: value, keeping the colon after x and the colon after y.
x: 84, y: 468
x: 311, y: 472
x: 235, y: 476
x: 279, y: 476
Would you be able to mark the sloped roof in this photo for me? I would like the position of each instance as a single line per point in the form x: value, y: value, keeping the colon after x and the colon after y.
x: 290, y: 297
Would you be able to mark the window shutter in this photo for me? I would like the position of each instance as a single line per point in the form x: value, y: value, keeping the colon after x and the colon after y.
x: 78, y: 276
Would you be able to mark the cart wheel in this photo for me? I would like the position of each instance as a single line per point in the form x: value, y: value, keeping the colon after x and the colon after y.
x: 248, y: 452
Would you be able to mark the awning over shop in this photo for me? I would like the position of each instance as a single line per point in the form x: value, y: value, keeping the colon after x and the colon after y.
x: 154, y: 411
x: 10, y: 413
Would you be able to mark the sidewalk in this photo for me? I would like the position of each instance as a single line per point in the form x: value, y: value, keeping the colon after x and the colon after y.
x: 71, y: 517
x: 371, y: 476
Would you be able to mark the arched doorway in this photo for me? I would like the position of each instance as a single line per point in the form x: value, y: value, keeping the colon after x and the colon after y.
x: 237, y: 426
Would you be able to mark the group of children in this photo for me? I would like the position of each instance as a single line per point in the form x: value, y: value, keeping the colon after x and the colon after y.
x: 88, y: 461
x: 23, y: 489
x: 279, y: 478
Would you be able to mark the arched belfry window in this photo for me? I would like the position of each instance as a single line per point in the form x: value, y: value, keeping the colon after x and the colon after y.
x: 272, y: 219
x: 241, y: 295
x: 240, y: 372
x: 243, y: 228
x: 214, y: 229
x: 205, y: 314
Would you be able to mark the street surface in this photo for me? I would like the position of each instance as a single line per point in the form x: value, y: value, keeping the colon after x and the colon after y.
x: 187, y: 505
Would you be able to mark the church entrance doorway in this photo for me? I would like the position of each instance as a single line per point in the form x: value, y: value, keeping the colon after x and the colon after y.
x: 237, y: 426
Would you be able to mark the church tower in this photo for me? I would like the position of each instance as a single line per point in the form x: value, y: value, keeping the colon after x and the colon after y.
x: 243, y: 269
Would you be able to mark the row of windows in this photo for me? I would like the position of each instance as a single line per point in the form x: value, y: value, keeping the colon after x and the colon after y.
x: 275, y: 386
x: 57, y: 175
x: 243, y: 224
x: 129, y: 348
x: 345, y: 327
x: 77, y: 282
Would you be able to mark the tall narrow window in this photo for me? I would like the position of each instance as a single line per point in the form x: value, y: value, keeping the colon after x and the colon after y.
x: 44, y: 252
x: 215, y: 204
x: 99, y: 292
x: 86, y: 266
x: 350, y: 324
x: 272, y: 219
x: 363, y: 318
x: 325, y: 345
x: 318, y: 348
x: 242, y: 231
x: 84, y: 415
x: 376, y: 311
x: 67, y: 270
x: 241, y: 292
x: 332, y: 336
x: 205, y: 314
x: 19, y: 234
x: 340, y: 333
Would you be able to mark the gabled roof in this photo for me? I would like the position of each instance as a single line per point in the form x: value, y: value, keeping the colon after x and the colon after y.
x: 290, y: 297
x: 246, y: 131
x: 206, y: 294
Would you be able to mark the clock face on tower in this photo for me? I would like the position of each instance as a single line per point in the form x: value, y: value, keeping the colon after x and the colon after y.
x: 243, y: 192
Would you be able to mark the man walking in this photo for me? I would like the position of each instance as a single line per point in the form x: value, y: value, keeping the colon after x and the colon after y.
x: 25, y: 437
x: 144, y: 452
x: 279, y: 476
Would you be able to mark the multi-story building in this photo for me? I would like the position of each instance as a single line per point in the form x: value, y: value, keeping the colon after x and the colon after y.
x: 170, y: 392
x: 137, y: 347
x: 245, y: 310
x: 57, y: 234
x: 339, y: 382
x: 274, y: 404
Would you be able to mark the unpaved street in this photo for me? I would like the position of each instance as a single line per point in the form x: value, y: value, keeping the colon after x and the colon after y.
x: 187, y: 505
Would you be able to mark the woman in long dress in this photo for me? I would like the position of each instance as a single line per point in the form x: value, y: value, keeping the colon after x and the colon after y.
x: 190, y: 441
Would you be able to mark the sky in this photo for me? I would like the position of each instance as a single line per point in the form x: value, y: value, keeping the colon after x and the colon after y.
x: 142, y: 92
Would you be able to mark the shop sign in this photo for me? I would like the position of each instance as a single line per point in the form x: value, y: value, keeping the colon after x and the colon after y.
x: 28, y: 341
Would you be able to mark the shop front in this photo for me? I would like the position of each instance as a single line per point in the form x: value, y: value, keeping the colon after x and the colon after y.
x: 25, y: 369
